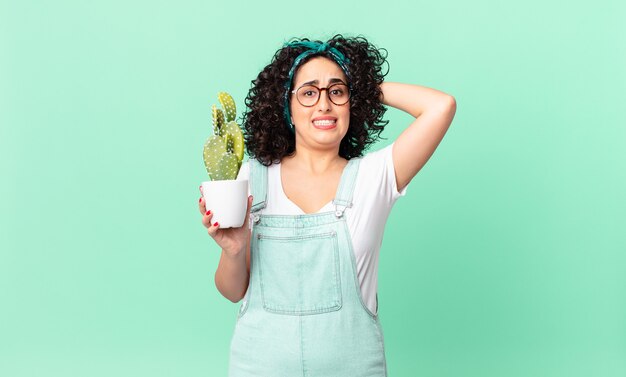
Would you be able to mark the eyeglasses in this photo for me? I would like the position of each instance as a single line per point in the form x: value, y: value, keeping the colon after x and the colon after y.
x: 308, y: 95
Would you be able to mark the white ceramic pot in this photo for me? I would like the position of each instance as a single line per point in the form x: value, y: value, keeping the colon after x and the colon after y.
x: 227, y: 200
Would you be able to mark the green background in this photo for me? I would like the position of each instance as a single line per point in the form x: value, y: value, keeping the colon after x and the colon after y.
x: 507, y: 257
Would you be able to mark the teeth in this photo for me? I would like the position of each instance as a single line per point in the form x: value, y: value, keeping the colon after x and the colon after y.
x: 324, y: 122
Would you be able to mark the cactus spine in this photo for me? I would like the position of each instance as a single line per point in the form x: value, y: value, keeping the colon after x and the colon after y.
x: 223, y: 151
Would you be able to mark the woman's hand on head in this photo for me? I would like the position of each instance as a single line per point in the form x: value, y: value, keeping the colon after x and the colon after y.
x: 232, y: 240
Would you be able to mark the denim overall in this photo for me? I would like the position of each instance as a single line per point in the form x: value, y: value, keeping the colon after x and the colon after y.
x: 303, y: 314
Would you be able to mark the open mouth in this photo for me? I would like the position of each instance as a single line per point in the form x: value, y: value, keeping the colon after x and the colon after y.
x: 325, y: 124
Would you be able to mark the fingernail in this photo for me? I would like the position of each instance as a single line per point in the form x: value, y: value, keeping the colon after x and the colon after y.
x: 208, y: 212
x: 199, y: 200
x: 216, y: 224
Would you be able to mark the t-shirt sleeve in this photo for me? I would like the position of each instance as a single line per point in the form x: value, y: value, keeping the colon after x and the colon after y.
x: 390, y: 171
x: 379, y: 170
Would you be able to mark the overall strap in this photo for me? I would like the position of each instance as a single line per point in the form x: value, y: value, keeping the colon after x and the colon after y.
x: 343, y: 199
x: 258, y: 185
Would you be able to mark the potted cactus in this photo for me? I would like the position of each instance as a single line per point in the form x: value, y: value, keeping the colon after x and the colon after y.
x: 225, y: 196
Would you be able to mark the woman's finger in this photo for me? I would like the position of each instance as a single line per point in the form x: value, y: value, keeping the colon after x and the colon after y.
x: 201, y: 205
x: 212, y: 229
x: 206, y: 218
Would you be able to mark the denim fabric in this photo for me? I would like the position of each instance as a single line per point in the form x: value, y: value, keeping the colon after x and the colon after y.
x: 303, y: 314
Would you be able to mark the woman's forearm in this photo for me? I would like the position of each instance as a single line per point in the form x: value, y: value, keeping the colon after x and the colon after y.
x: 231, y: 276
x: 413, y: 99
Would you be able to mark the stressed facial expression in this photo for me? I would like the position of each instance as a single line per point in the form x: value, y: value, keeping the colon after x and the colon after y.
x: 325, y: 123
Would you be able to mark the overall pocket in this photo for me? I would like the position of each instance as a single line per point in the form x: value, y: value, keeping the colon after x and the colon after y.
x: 299, y: 275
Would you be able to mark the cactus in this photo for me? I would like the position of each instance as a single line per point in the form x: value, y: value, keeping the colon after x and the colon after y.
x: 223, y: 151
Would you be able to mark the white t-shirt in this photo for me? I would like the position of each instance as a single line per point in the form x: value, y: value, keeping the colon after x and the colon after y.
x: 375, y: 193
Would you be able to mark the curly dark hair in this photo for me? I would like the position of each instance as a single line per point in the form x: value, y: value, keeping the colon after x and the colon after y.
x: 267, y: 136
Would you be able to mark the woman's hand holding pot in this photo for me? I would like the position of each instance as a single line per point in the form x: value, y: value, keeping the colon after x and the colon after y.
x: 233, y: 241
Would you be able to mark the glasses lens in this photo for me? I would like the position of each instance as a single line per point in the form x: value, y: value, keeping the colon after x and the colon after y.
x: 338, y: 94
x: 308, y: 95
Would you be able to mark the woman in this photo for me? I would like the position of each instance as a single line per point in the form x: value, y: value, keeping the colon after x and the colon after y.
x: 305, y: 262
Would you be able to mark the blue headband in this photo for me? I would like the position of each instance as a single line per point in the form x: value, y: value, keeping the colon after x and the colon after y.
x: 312, y: 48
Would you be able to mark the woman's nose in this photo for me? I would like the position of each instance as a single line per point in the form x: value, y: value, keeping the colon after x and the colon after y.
x: 323, y: 103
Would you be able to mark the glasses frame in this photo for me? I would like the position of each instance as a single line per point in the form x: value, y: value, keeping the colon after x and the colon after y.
x: 320, y: 93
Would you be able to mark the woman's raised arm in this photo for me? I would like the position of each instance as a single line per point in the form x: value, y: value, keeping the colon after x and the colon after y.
x: 433, y: 111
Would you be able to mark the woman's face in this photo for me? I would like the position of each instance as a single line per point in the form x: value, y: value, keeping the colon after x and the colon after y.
x: 324, y: 124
